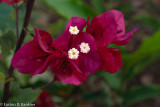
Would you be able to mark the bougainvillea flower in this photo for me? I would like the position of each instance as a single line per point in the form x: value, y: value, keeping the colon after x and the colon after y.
x: 79, y: 51
x: 10, y: 2
x: 109, y: 27
x: 76, y: 54
x: 33, y: 58
x: 110, y: 58
x: 102, y: 28
x: 45, y: 100
x: 71, y: 57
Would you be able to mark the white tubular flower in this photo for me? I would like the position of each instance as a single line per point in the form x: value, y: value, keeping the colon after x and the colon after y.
x: 85, y: 48
x: 73, y: 53
x: 73, y: 30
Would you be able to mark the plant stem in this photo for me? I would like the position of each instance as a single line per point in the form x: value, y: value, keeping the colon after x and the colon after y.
x: 46, y: 85
x: 17, y: 22
x: 29, y: 7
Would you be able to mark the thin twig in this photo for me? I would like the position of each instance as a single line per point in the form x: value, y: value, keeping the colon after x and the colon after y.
x: 17, y: 21
x: 29, y: 7
x: 20, y: 6
x: 46, y: 85
x: 27, y: 31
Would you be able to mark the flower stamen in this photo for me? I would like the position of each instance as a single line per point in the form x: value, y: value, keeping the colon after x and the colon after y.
x: 73, y: 30
x: 85, y: 48
x: 73, y: 53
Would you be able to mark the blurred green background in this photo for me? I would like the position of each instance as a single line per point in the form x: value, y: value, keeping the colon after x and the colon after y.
x: 136, y: 84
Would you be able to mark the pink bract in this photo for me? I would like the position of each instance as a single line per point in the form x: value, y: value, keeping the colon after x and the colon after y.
x: 109, y: 27
x: 43, y: 52
x: 77, y: 70
x: 111, y: 59
x: 35, y: 57
x: 45, y: 100
x: 11, y: 2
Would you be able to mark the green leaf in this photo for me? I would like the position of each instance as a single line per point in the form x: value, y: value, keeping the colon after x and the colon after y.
x: 3, y: 67
x: 19, y: 95
x: 139, y: 66
x: 21, y: 78
x: 99, y: 5
x: 113, y: 80
x: 153, y: 22
x: 7, y: 42
x: 8, y: 17
x: 141, y: 93
x: 56, y: 28
x: 6, y: 22
x: 92, y: 96
x: 148, y: 52
x: 2, y: 77
x: 126, y: 8
x: 70, y: 8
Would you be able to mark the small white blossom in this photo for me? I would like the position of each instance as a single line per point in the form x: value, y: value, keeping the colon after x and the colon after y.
x: 85, y: 48
x: 73, y: 53
x: 73, y: 30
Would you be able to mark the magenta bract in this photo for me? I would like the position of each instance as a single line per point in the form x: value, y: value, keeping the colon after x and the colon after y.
x: 75, y: 71
x: 109, y: 27
x: 103, y: 28
x: 45, y: 100
x: 34, y: 57
x: 75, y: 54
x: 111, y: 59
x: 11, y: 2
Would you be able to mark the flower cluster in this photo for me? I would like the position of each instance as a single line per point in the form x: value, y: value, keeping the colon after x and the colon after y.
x: 45, y: 100
x: 75, y: 54
x: 10, y: 2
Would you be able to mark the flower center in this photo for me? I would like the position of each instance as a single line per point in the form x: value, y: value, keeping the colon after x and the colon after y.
x: 85, y: 48
x: 73, y: 30
x: 73, y: 53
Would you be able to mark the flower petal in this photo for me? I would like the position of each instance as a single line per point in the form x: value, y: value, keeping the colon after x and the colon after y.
x: 75, y: 21
x: 45, y: 41
x: 109, y: 27
x: 124, y: 39
x: 63, y: 41
x: 111, y: 59
x: 75, y: 78
x: 119, y: 21
x: 67, y: 71
x: 30, y: 59
x: 103, y: 28
x: 121, y: 38
x: 43, y: 67
x: 45, y: 100
x: 88, y: 62
x: 10, y: 2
